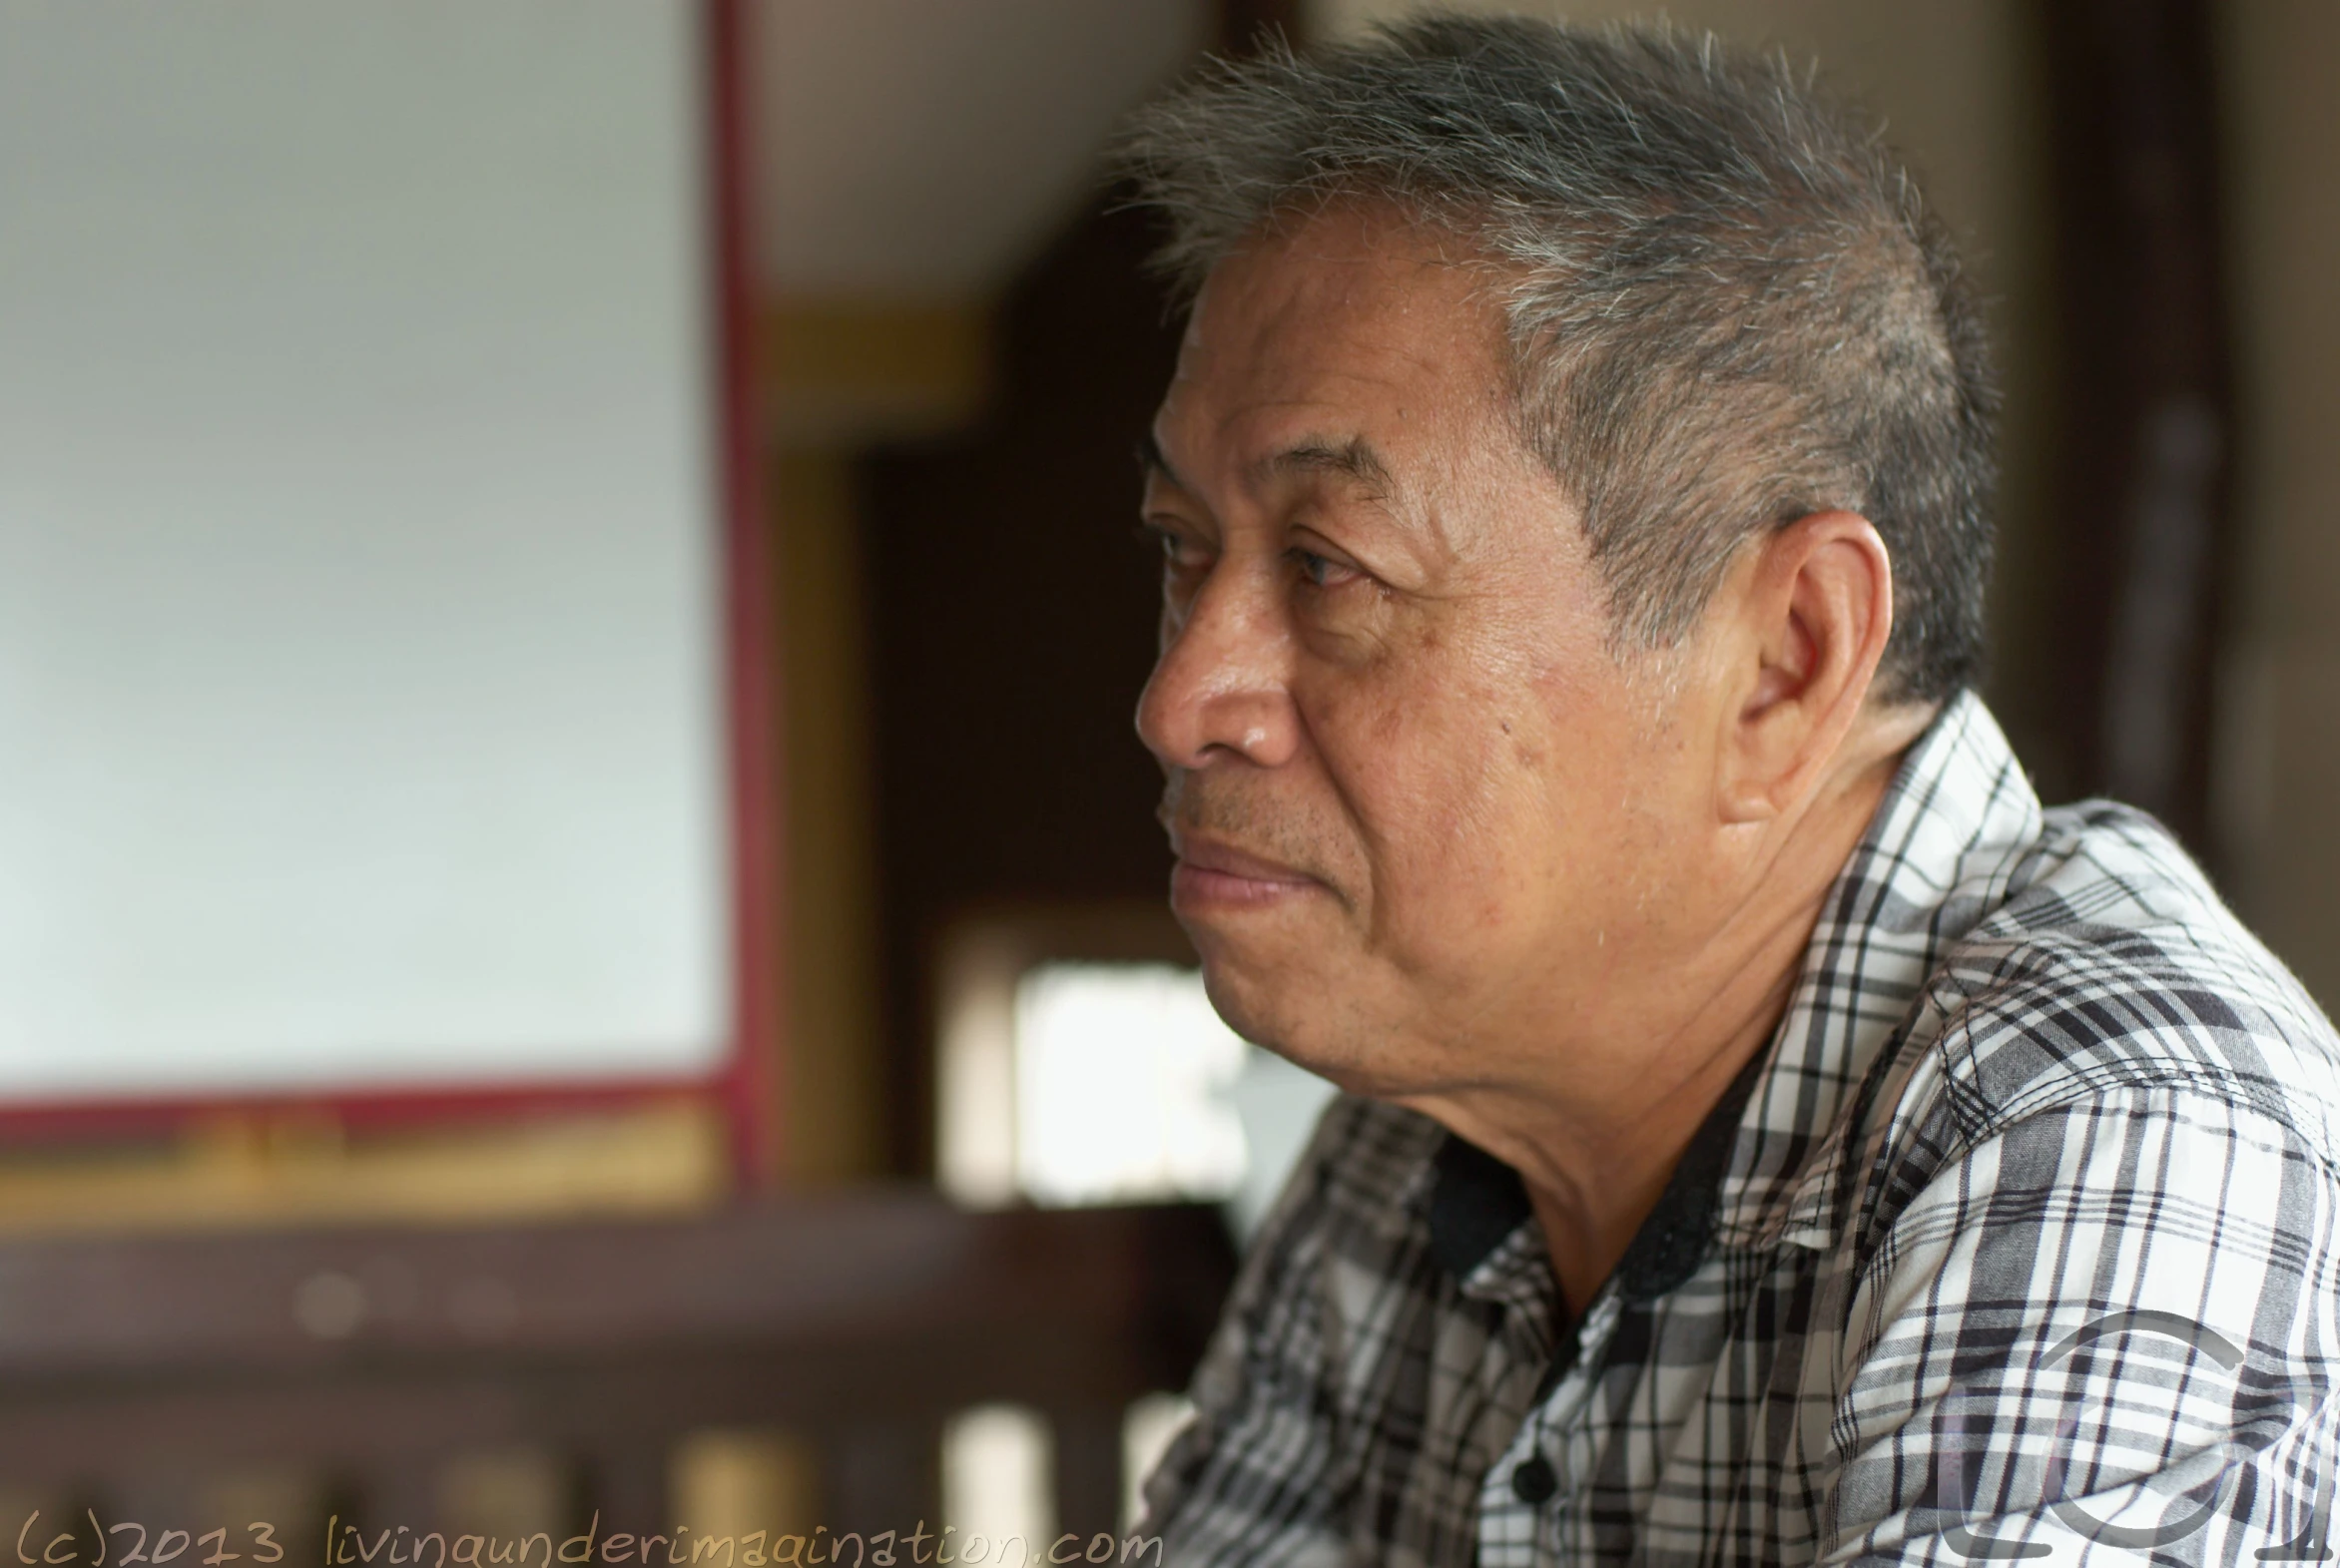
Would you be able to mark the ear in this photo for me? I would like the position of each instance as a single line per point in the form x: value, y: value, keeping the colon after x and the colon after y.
x: 1812, y: 609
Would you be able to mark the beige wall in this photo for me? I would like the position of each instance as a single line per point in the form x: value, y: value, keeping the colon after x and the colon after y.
x: 2280, y: 764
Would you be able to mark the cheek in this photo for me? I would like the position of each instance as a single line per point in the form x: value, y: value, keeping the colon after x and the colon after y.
x: 1455, y: 796
x: 1504, y: 816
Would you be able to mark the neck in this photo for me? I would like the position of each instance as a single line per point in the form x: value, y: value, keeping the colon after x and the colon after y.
x: 1596, y: 1142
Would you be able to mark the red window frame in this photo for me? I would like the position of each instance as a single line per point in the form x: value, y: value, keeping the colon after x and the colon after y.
x: 744, y: 1087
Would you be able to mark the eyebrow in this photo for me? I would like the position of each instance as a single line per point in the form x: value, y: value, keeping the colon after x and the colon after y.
x: 1152, y: 461
x: 1353, y: 459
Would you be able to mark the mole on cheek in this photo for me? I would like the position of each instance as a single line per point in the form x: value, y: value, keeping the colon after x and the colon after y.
x: 1522, y: 753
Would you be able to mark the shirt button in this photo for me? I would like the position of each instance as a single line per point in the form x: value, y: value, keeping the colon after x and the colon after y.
x: 1535, y: 1483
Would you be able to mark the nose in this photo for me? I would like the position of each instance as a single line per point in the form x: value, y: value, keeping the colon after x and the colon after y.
x: 1221, y: 688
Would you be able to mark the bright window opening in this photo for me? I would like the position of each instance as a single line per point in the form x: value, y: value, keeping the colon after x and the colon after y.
x: 1088, y: 1083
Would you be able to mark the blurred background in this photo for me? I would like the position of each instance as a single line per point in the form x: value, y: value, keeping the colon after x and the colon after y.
x: 581, y: 930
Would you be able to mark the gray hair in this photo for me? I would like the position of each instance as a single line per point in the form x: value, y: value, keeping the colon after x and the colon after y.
x: 1727, y: 307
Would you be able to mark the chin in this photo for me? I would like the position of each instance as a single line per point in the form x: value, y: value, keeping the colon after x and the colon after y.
x: 1238, y: 1000
x: 1281, y: 1007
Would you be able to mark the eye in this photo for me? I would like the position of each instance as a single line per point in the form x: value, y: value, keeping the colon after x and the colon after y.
x: 1322, y: 571
x: 1181, y: 553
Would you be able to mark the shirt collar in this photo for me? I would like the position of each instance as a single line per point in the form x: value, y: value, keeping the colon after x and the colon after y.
x: 1762, y: 1166
x: 1930, y: 868
x: 1477, y: 1203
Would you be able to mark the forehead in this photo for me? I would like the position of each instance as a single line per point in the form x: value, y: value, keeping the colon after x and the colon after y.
x: 1355, y: 323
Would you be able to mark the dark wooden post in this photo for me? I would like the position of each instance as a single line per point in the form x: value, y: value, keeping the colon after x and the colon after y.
x: 2148, y: 424
x: 883, y: 1474
x: 626, y: 1482
x: 1087, y: 1449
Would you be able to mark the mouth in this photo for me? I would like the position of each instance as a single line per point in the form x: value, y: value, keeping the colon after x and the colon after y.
x: 1211, y: 876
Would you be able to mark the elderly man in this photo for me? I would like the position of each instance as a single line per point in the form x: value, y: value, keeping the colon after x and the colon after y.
x: 1770, y: 1137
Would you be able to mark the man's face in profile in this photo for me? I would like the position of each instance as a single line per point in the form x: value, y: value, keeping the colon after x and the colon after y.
x: 1416, y: 797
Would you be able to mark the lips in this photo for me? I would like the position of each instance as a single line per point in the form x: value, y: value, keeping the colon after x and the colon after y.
x: 1210, y: 874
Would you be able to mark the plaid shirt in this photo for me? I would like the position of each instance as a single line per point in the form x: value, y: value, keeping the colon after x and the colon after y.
x: 2017, y: 1243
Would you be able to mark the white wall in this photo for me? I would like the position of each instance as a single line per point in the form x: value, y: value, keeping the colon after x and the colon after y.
x: 360, y: 713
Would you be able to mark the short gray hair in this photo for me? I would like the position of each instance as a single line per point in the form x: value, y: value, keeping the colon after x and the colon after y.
x: 1727, y: 305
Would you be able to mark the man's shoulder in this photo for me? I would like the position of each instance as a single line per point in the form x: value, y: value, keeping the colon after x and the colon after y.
x: 2110, y: 964
x: 1346, y: 1228
x: 1367, y: 1166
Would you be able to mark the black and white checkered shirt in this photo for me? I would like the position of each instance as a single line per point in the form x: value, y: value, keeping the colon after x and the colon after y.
x: 2018, y: 1244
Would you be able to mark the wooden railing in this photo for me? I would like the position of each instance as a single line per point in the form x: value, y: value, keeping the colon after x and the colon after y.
x: 858, y: 1324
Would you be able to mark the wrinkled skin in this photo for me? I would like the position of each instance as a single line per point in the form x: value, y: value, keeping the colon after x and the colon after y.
x: 1438, y: 839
